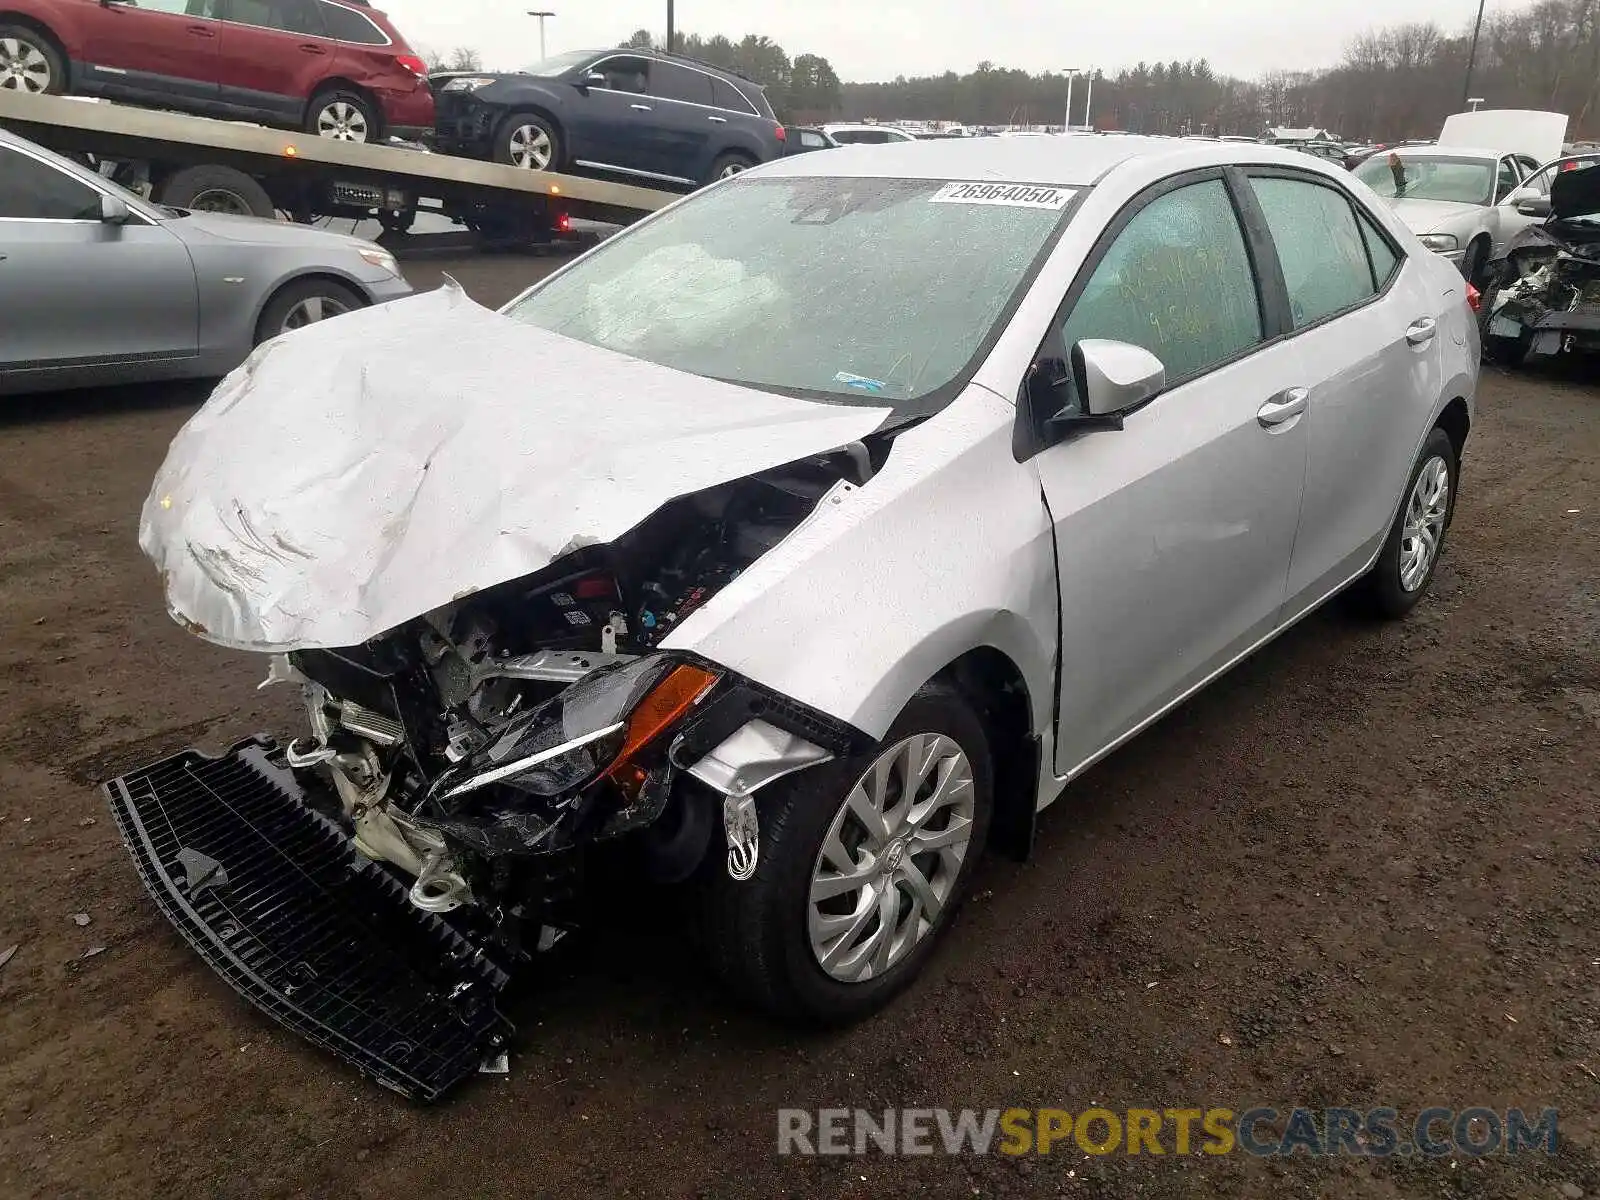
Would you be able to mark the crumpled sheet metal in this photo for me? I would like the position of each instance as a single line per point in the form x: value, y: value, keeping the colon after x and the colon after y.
x: 361, y: 472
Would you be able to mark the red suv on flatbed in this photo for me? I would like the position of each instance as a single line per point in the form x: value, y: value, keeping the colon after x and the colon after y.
x: 337, y: 68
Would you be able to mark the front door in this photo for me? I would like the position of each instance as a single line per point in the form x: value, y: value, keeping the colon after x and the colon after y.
x: 1368, y: 324
x: 1173, y: 534
x: 157, y: 51
x: 76, y: 291
x: 612, y: 126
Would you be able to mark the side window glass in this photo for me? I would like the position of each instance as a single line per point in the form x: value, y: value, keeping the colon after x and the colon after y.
x: 626, y: 75
x: 32, y: 190
x: 290, y: 16
x: 1323, y: 255
x: 178, y: 8
x: 1507, y: 180
x: 1177, y: 281
x: 349, y: 26
x: 725, y: 95
x: 680, y: 83
x: 1385, y: 262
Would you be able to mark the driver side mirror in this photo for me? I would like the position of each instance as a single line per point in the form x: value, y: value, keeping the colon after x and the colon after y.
x: 592, y: 79
x: 114, y: 211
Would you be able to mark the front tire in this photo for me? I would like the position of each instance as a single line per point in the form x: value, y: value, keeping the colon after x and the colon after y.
x: 30, y: 62
x: 862, y: 865
x: 529, y: 141
x: 1405, y: 567
x: 296, y: 305
x: 1472, y: 263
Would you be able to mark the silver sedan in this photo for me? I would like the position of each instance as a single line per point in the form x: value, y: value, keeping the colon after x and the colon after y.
x: 858, y: 505
x: 97, y: 286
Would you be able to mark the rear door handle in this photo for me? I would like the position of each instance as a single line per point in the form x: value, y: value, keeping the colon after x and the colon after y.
x: 1286, y: 404
x: 202, y: 31
x: 313, y: 48
x: 718, y: 120
x: 1421, y: 331
x: 641, y: 108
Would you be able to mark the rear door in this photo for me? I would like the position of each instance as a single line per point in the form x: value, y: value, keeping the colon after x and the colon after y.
x: 1174, y: 533
x: 1366, y: 329
x: 684, y: 121
x: 272, y: 56
x: 78, y: 292
x: 156, y: 51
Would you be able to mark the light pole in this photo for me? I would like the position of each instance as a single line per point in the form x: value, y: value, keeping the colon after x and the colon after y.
x: 1088, y: 101
x: 1472, y: 56
x: 1071, y: 73
x: 671, y: 26
x: 541, y: 16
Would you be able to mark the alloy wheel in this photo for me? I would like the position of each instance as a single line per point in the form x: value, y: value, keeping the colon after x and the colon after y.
x: 732, y: 169
x: 24, y: 67
x: 342, y: 121
x: 1426, y: 511
x: 220, y: 200
x: 530, y: 148
x: 891, y: 858
x: 313, y: 309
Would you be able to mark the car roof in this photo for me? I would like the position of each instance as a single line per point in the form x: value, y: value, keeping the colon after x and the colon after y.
x: 1433, y: 151
x: 1068, y: 161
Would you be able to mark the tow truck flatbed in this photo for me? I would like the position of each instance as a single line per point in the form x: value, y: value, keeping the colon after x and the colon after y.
x: 306, y: 175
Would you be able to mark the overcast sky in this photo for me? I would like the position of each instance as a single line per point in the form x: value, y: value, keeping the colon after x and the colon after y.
x: 879, y: 39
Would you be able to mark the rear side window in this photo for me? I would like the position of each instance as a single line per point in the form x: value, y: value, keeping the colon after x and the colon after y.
x: 1176, y: 281
x: 291, y: 16
x: 725, y: 95
x: 350, y: 26
x: 32, y: 190
x: 679, y: 83
x: 1323, y: 254
x: 1385, y: 262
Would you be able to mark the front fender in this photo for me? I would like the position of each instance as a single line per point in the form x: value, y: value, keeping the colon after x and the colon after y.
x: 947, y: 549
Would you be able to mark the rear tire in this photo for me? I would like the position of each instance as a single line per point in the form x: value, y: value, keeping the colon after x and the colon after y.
x: 30, y: 62
x: 305, y: 302
x: 216, y: 189
x: 341, y: 115
x: 530, y: 141
x: 1400, y: 578
x: 768, y: 936
x: 728, y: 165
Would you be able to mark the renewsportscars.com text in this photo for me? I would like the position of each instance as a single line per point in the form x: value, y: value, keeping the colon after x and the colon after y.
x: 1261, y: 1131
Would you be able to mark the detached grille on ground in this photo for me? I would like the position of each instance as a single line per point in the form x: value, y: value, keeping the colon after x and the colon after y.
x: 277, y: 902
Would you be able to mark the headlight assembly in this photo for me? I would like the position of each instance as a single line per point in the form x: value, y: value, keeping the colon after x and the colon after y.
x: 467, y: 83
x: 595, y: 728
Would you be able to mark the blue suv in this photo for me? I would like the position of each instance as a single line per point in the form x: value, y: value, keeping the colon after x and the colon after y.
x: 636, y: 113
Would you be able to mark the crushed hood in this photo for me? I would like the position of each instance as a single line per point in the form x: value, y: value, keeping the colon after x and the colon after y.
x: 358, y: 473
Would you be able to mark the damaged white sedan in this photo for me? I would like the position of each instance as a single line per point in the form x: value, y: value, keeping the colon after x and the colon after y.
x: 792, y: 546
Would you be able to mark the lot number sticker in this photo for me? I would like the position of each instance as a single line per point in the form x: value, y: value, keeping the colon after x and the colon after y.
x: 1012, y: 195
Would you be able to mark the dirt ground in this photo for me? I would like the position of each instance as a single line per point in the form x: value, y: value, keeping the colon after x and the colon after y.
x: 1360, y: 871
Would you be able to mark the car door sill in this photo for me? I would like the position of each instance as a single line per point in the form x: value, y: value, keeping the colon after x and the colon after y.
x: 600, y: 166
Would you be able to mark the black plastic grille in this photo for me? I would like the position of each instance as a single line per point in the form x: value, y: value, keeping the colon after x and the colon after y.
x: 301, y: 925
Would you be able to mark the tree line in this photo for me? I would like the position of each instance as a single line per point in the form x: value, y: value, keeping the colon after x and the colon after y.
x: 1392, y: 82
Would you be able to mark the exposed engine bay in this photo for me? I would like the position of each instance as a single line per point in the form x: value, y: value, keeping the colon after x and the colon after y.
x: 478, y: 749
x: 1546, y: 296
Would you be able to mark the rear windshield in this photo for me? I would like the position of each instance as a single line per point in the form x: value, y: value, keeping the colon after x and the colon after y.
x: 877, y: 291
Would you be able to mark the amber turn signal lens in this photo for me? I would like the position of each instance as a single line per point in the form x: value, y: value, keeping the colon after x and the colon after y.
x: 661, y: 710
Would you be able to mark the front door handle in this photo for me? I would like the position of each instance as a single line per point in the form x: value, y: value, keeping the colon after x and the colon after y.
x: 202, y: 31
x: 1286, y: 404
x: 313, y: 48
x: 718, y: 120
x: 641, y: 108
x: 1421, y: 331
